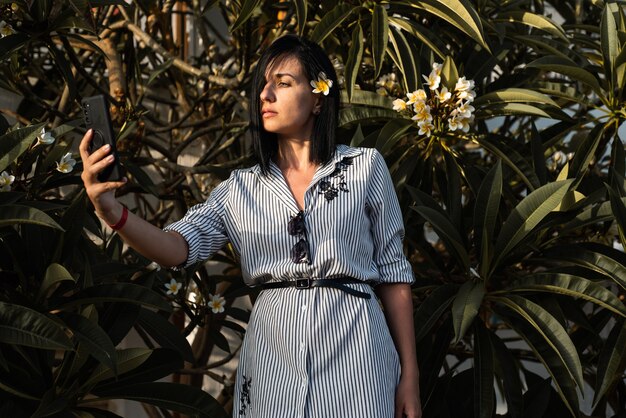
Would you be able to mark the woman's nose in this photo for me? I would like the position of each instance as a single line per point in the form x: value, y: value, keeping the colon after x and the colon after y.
x: 267, y: 95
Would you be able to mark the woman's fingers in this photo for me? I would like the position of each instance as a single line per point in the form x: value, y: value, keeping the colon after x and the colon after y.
x: 83, y: 147
x: 100, y: 188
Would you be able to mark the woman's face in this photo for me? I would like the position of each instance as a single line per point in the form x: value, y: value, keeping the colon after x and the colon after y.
x: 288, y: 104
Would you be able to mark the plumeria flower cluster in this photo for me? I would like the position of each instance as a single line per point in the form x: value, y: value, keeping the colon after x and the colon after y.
x: 436, y: 108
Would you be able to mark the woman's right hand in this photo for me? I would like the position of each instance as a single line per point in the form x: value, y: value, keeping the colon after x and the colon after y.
x: 102, y: 195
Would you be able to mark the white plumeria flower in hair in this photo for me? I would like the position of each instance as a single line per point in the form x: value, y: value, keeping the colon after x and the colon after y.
x: 5, y: 29
x: 322, y: 84
x: 45, y: 137
x: 66, y: 164
x: 216, y: 303
x: 173, y: 287
x: 399, y: 105
x: 6, y: 180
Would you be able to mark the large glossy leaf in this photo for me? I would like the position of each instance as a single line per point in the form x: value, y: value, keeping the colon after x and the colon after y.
x: 369, y: 98
x: 97, y: 342
x: 14, y: 143
x: 127, y: 360
x: 619, y: 211
x: 20, y: 325
x: 507, y: 371
x: 407, y: 61
x: 355, y: 55
x: 380, y: 36
x: 550, y: 330
x: 611, y: 362
x: 459, y: 13
x: 448, y: 234
x: 484, y: 373
x: 301, y: 12
x: 465, y: 307
x: 514, y: 95
x: 593, y: 215
x: 176, y: 397
x: 485, y: 215
x: 55, y: 274
x: 20, y: 214
x: 526, y: 215
x: 569, y: 68
x: 330, y: 21
x: 391, y: 133
x: 602, y: 259
x: 610, y: 44
x: 570, y: 285
x: 519, y: 109
x: 429, y: 312
x: 365, y: 115
x: 246, y: 11
x: 165, y: 333
x: 11, y: 43
x: 585, y: 151
x: 533, y: 20
x: 423, y: 34
x: 119, y: 292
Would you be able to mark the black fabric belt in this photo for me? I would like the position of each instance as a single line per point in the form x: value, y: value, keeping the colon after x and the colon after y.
x: 336, y: 282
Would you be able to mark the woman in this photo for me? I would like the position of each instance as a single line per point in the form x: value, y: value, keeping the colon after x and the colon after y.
x: 316, y: 226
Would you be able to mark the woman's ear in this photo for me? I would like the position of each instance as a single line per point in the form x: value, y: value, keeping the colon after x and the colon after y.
x: 317, y: 107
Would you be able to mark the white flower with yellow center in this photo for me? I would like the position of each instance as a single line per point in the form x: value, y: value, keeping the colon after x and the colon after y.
x: 444, y: 95
x: 416, y: 96
x: 5, y: 29
x: 433, y: 80
x: 45, y: 138
x: 216, y: 303
x: 437, y: 67
x: 426, y: 127
x: 66, y: 164
x: 419, y: 106
x: 465, y: 110
x: 399, y: 105
x: 465, y: 123
x: 454, y: 123
x: 423, y: 115
x: 6, y: 180
x: 173, y: 287
x: 322, y: 84
x: 465, y: 89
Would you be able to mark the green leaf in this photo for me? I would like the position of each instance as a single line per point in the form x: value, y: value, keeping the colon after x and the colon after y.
x: 432, y: 308
x: 369, y: 98
x: 448, y: 234
x: 526, y: 215
x: 55, y: 273
x: 176, y: 397
x: 330, y: 21
x: 585, y: 151
x: 380, y: 37
x: 619, y: 211
x: 465, y: 307
x: 570, y: 285
x: 14, y: 143
x: 406, y: 59
x: 611, y: 362
x: 391, y: 133
x: 533, y: 20
x: 118, y: 292
x: 449, y: 73
x: 569, y: 68
x: 91, y: 336
x: 518, y: 109
x: 158, y: 70
x: 424, y: 35
x: 485, y: 215
x: 484, y: 373
x: 364, y: 115
x: 511, y: 157
x: 610, y: 45
x: 551, y: 331
x: 17, y: 214
x: 247, y: 9
x: 513, y: 95
x: 506, y: 368
x: 355, y: 55
x: 23, y: 326
x: 301, y: 12
x: 165, y: 333
x: 459, y: 13
x: 11, y: 43
x: 127, y: 360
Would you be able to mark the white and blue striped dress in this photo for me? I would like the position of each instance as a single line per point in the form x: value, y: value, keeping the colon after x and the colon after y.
x: 319, y: 352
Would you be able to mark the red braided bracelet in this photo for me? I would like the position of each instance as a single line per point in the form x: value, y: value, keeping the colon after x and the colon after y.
x: 122, y: 220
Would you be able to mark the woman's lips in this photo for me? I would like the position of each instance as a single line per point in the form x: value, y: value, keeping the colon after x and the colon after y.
x: 268, y: 114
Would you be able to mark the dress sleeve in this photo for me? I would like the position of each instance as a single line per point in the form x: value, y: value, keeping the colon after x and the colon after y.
x: 203, y: 226
x: 387, y: 226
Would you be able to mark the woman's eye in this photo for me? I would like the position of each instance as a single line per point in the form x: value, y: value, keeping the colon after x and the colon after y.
x: 283, y: 84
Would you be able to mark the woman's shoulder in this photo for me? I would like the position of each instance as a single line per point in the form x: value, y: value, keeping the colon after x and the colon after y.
x: 363, y: 154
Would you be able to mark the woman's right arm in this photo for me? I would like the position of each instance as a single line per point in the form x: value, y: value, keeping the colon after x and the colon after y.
x: 168, y: 249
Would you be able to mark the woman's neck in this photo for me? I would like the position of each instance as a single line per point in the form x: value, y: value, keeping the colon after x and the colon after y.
x: 293, y: 154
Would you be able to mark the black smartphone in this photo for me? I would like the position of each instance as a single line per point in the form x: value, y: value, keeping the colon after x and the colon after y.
x: 97, y: 117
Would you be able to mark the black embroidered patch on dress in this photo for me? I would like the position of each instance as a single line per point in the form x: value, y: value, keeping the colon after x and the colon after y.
x: 244, y: 395
x: 336, y: 181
